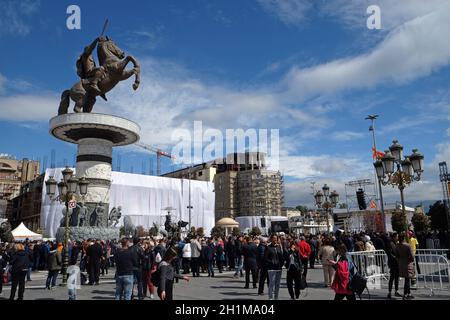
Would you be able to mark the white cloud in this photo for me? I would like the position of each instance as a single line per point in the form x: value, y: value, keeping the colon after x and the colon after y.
x: 347, y: 135
x: 23, y: 108
x: 414, y: 49
x: 2, y: 83
x: 14, y: 15
x: 170, y: 98
x: 352, y: 13
x: 290, y: 12
x: 331, y: 166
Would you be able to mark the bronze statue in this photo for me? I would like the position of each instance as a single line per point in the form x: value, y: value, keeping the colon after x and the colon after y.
x: 114, y: 216
x: 97, y: 81
x: 96, y: 217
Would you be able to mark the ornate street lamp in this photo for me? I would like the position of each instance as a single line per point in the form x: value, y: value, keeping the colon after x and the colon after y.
x: 326, y: 190
x: 67, y: 191
x: 399, y: 172
x: 72, y: 184
x: 319, y: 198
x: 327, y: 204
x: 83, y: 185
x: 50, y: 186
x: 67, y: 174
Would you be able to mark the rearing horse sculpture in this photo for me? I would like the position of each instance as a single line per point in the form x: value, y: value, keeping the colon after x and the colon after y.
x: 113, y: 63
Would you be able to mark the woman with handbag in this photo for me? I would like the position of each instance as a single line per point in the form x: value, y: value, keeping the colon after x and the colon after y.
x: 294, y: 268
x: 342, y: 276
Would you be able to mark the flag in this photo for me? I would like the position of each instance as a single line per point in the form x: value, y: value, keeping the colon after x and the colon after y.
x: 376, y: 154
x: 373, y: 204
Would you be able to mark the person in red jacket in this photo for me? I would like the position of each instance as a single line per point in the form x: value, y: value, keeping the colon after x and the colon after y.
x: 305, y: 251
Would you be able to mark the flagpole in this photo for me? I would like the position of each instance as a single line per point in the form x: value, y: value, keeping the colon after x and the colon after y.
x: 372, y: 118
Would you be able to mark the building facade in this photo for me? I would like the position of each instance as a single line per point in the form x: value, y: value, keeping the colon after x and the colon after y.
x: 259, y: 193
x: 26, y: 207
x: 202, y: 172
x: 226, y: 195
x: 13, y: 175
x: 243, y: 185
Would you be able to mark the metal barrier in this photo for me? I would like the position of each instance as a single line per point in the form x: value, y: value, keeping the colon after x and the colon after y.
x: 432, y: 271
x: 431, y: 266
x: 373, y: 265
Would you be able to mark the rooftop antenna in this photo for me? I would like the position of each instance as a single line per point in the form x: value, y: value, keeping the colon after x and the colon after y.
x: 119, y: 158
x: 143, y: 167
x: 44, y: 163
x: 53, y: 157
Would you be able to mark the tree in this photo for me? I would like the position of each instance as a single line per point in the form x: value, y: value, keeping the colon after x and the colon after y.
x: 217, y: 232
x: 236, y: 231
x: 343, y: 206
x: 255, y: 231
x: 398, y: 221
x: 438, y: 216
x: 302, y: 209
x: 420, y: 222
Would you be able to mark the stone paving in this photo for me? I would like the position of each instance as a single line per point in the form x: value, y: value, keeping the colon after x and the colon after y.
x: 222, y: 287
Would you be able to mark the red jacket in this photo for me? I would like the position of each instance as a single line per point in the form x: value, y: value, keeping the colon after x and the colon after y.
x: 304, y: 249
x: 341, y: 278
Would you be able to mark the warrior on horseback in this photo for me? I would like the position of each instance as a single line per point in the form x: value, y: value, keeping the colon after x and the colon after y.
x: 87, y: 70
x: 97, y: 81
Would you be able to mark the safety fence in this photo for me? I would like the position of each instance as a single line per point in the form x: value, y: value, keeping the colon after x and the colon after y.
x: 432, y: 269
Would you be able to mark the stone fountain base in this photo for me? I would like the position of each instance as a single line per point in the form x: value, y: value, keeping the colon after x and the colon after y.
x: 84, y: 233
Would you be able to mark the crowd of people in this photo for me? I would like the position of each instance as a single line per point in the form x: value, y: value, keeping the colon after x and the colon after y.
x: 151, y: 266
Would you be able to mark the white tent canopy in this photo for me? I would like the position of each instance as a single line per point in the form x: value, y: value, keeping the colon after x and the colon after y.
x: 21, y: 233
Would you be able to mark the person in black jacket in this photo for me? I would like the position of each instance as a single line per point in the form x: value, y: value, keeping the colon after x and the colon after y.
x: 139, y: 257
x: 20, y: 262
x: 210, y: 254
x: 3, y: 263
x: 393, y: 265
x: 250, y: 253
x: 94, y: 255
x: 229, y: 250
x: 167, y: 275
x: 238, y: 257
x: 294, y: 270
x: 124, y: 259
x: 262, y: 266
x: 273, y: 259
x: 147, y: 268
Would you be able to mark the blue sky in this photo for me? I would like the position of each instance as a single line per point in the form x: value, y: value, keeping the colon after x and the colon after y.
x: 309, y: 68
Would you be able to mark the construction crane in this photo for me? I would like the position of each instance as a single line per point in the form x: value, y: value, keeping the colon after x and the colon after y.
x: 159, y: 153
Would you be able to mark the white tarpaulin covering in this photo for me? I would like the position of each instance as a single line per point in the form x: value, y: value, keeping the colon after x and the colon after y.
x: 144, y: 198
x: 21, y: 233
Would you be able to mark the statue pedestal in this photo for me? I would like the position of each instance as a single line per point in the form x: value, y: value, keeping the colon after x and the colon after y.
x: 84, y: 233
x: 95, y: 135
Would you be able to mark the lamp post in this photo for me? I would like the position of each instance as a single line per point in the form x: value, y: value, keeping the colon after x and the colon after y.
x: 331, y: 200
x: 399, y: 172
x: 372, y: 118
x: 67, y: 191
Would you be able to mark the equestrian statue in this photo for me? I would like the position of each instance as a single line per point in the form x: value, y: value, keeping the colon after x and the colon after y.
x: 98, y: 80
